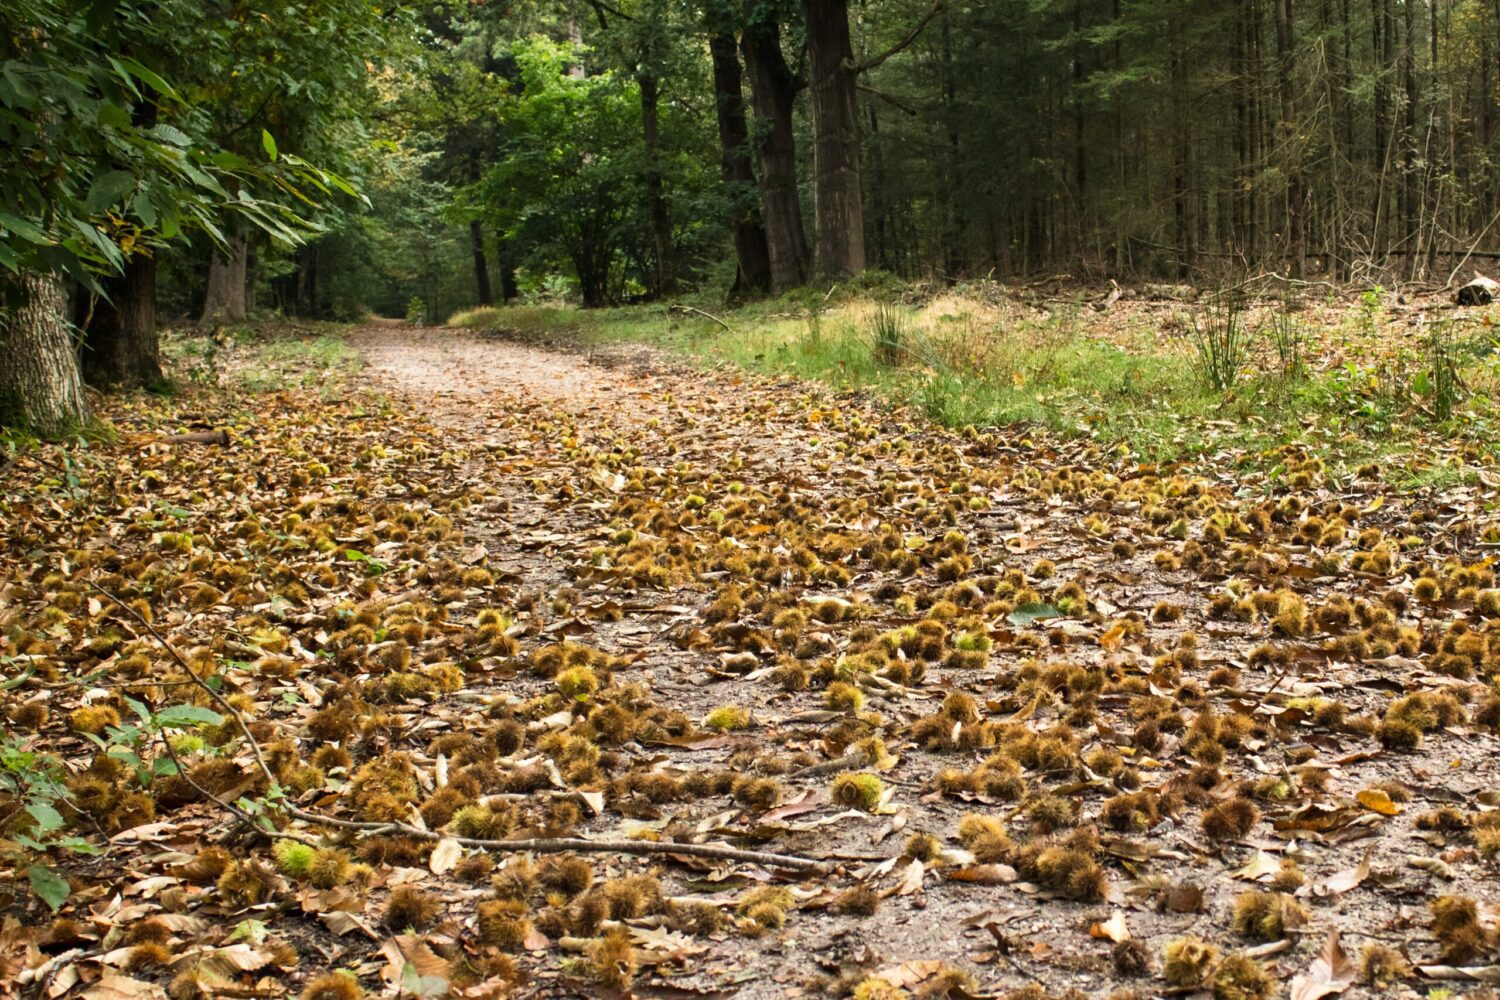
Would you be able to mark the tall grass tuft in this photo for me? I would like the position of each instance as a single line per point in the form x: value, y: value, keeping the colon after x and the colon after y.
x: 1221, y: 342
x: 1441, y: 381
x: 1290, y: 339
x: 890, y: 334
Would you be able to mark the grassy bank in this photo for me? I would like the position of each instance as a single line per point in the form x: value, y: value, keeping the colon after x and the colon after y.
x: 1339, y: 381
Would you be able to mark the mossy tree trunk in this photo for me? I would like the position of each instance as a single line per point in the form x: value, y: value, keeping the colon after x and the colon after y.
x: 40, y: 386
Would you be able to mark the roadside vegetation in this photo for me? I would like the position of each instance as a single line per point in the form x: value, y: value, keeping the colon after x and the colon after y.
x: 1356, y: 382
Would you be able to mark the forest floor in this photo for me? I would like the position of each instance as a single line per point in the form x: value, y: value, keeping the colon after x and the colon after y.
x: 1044, y: 716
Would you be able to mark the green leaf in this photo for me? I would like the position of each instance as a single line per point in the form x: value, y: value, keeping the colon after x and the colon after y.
x: 268, y: 144
x: 23, y: 228
x: 170, y: 134
x: 1028, y: 613
x: 148, y: 77
x: 50, y: 886
x: 110, y: 113
x: 47, y: 818
x: 183, y: 716
x: 108, y: 188
x: 225, y: 160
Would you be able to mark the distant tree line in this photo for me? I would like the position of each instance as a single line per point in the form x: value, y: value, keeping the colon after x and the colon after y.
x: 321, y: 158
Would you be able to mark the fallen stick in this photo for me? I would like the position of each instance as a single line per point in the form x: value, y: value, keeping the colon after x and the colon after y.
x: 561, y: 845
x: 679, y: 307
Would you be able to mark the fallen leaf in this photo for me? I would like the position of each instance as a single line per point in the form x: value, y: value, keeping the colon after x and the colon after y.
x: 1379, y: 801
x: 983, y: 874
x: 445, y: 856
x: 1113, y: 929
x: 1261, y: 865
x: 1339, y: 882
x: 1330, y: 973
x: 909, y: 973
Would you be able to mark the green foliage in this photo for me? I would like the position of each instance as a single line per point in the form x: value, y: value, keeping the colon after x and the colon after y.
x: 114, y: 139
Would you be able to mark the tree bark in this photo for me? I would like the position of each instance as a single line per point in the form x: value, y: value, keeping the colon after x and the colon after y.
x: 224, y: 301
x: 750, y: 249
x: 1285, y: 53
x: 773, y: 88
x: 838, y: 212
x: 481, y: 265
x: 656, y: 201
x: 40, y: 385
x: 506, y: 263
x: 120, y: 346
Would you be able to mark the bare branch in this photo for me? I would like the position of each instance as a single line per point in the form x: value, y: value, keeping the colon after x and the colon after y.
x: 911, y: 36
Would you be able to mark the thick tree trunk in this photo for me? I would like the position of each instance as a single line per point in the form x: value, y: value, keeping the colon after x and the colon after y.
x: 40, y: 385
x: 224, y: 301
x: 120, y: 346
x: 481, y: 265
x: 656, y: 201
x: 772, y: 91
x: 838, y: 212
x: 750, y: 250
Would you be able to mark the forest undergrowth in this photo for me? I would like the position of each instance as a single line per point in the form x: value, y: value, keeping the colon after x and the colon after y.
x: 460, y: 666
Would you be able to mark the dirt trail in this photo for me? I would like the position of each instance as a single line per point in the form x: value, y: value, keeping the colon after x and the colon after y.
x: 782, y: 488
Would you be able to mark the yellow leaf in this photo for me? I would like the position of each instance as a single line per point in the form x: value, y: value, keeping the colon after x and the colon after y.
x: 1377, y: 801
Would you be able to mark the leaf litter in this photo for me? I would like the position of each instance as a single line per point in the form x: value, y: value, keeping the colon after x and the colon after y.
x: 505, y: 673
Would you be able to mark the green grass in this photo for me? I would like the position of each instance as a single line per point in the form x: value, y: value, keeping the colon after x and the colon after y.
x: 1143, y: 399
x: 264, y: 358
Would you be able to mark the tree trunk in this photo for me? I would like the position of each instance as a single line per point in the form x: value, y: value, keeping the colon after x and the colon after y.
x: 40, y: 386
x: 120, y: 345
x: 1285, y: 53
x: 772, y: 91
x: 838, y: 213
x: 224, y: 301
x: 656, y: 201
x: 750, y: 250
x: 507, y: 265
x: 481, y: 265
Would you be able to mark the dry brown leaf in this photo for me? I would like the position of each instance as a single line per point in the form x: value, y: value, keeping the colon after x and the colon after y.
x: 1471, y: 973
x: 909, y: 973
x: 445, y: 856
x: 1339, y: 882
x: 1113, y: 929
x: 909, y: 882
x: 1330, y: 973
x: 115, y: 987
x: 983, y: 874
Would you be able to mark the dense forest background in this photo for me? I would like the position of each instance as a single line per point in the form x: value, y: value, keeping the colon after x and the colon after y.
x: 576, y: 148
x: 207, y: 160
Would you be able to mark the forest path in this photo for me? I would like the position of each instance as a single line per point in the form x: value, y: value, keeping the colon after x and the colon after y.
x: 451, y: 367
x: 713, y: 539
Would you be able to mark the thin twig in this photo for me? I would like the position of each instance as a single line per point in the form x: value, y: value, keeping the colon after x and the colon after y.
x: 199, y: 682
